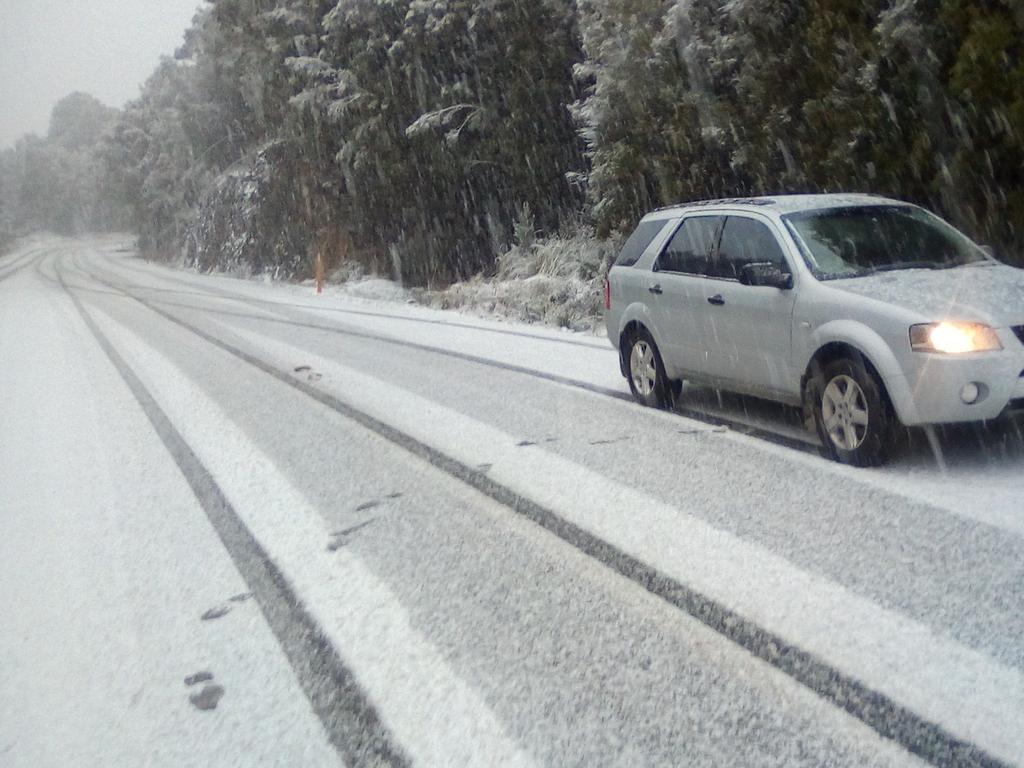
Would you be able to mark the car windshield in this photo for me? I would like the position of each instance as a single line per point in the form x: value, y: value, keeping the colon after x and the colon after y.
x: 852, y: 242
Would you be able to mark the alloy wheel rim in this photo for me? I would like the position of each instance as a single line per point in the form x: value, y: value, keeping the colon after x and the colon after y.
x: 844, y: 411
x: 641, y: 366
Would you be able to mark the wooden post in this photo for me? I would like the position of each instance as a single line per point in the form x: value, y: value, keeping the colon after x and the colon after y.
x: 318, y: 271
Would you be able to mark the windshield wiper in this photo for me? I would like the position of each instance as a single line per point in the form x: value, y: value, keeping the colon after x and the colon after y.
x: 867, y: 271
x: 904, y: 265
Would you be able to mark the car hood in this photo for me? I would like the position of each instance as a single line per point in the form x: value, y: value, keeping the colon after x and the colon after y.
x: 988, y: 294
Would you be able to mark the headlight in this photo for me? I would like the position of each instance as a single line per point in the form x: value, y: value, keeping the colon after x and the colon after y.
x: 953, y: 338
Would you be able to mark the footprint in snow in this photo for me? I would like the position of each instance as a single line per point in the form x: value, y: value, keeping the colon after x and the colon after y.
x: 395, y: 495
x: 216, y: 612
x: 341, y: 538
x: 367, y: 505
x: 610, y: 441
x: 198, y: 677
x: 524, y: 443
x: 241, y: 598
x: 208, y: 698
x: 484, y: 467
x: 311, y: 375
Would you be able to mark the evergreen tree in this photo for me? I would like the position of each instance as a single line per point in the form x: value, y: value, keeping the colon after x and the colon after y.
x: 643, y: 113
x: 412, y: 135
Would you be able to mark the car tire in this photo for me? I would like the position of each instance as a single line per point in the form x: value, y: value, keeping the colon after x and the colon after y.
x: 852, y: 413
x: 646, y: 373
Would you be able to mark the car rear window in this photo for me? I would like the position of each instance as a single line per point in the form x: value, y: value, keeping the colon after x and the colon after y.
x: 689, y: 250
x: 638, y: 242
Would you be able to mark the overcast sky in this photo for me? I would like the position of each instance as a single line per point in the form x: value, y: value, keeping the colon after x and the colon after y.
x: 50, y: 48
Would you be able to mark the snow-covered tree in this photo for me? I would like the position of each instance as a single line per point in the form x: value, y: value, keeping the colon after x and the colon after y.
x: 648, y: 115
x: 411, y: 134
x: 56, y: 182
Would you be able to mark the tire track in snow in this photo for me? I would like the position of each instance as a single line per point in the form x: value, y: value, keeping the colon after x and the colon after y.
x: 349, y: 718
x: 740, y: 427
x: 880, y: 712
x: 367, y: 313
x: 20, y: 263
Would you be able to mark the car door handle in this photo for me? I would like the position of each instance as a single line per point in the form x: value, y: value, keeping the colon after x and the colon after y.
x: 655, y: 289
x: 717, y: 300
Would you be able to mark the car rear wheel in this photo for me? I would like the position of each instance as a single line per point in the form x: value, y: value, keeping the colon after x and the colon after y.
x: 852, y: 413
x: 646, y: 373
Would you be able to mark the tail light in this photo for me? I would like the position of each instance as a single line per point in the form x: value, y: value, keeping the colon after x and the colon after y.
x: 607, y: 293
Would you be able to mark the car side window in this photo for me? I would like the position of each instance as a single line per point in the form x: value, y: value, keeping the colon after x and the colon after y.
x: 689, y: 250
x: 745, y: 241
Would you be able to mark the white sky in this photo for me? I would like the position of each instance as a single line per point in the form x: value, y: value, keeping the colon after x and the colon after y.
x: 50, y: 48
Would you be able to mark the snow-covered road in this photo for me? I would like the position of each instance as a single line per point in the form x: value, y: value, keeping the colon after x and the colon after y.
x: 452, y: 541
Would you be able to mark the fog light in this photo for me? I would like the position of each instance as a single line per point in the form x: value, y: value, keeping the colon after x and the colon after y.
x: 969, y: 393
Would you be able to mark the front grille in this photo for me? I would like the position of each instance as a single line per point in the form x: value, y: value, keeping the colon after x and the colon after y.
x: 1019, y: 330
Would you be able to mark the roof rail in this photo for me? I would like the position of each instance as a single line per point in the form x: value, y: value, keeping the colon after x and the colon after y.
x: 720, y: 201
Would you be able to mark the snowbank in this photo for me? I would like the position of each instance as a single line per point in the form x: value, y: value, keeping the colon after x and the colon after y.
x: 556, y: 281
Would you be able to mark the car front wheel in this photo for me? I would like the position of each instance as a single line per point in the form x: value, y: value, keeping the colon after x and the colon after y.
x: 852, y: 414
x: 647, y: 379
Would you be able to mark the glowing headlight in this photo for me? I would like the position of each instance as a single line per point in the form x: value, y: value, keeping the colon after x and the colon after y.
x: 953, y: 338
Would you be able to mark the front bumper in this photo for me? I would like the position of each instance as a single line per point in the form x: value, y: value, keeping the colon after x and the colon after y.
x: 935, y: 383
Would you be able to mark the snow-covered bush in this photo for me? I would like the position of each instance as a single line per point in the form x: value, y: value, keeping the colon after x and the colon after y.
x: 554, y: 280
x: 243, y: 224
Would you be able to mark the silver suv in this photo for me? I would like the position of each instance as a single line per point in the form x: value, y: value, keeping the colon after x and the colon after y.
x: 865, y: 311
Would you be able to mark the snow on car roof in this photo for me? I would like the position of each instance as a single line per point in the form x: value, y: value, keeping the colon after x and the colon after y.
x: 782, y: 204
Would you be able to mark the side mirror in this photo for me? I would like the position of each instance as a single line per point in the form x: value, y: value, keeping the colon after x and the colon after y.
x: 765, y: 274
